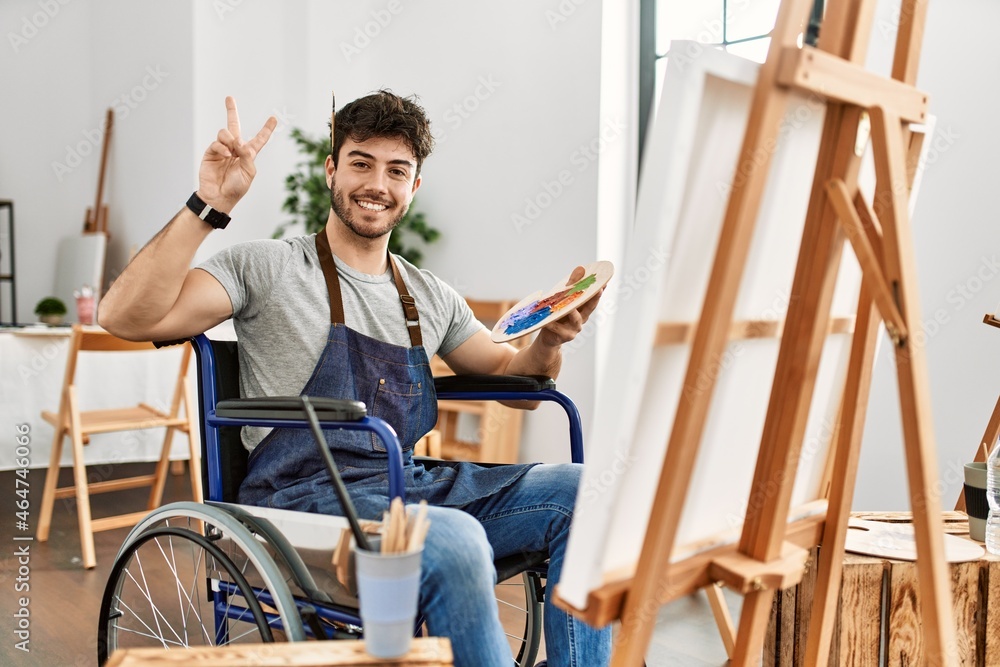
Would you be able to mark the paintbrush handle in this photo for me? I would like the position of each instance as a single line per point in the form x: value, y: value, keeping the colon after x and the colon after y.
x: 418, y: 531
x: 419, y: 535
x: 398, y: 512
x: 338, y: 482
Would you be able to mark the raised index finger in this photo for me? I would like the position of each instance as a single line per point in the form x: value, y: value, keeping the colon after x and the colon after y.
x: 232, y: 118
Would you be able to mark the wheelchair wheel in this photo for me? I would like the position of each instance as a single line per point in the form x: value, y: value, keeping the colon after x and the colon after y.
x: 520, y: 602
x: 158, y: 596
x: 192, y: 575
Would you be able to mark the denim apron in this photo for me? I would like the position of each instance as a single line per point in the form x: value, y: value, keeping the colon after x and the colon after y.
x: 286, y: 471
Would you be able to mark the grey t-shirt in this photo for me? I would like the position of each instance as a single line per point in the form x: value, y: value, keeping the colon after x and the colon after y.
x: 281, y: 312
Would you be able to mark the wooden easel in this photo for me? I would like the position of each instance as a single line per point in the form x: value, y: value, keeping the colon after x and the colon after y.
x: 988, y: 442
x: 96, y: 219
x: 772, y: 551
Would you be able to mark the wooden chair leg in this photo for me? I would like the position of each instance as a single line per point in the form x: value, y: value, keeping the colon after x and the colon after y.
x: 194, y: 449
x: 491, y: 434
x: 51, y: 482
x: 434, y: 443
x: 162, y: 469
x: 80, y: 481
x: 449, y: 427
x: 197, y: 493
x: 420, y: 447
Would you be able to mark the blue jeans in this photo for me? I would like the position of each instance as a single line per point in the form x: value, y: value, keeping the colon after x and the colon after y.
x: 457, y: 588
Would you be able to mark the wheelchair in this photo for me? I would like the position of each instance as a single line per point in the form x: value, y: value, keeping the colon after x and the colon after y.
x: 222, y: 573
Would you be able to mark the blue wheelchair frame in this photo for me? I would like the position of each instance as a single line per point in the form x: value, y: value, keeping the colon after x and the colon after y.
x: 452, y: 388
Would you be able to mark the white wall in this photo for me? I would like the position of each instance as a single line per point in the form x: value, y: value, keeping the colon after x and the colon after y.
x: 257, y: 53
x: 957, y: 252
x: 495, y: 154
x: 513, y: 97
x: 513, y: 90
x: 84, y: 58
x: 142, y: 67
x: 46, y: 64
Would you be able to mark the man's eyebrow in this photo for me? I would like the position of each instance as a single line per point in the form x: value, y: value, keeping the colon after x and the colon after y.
x: 369, y: 156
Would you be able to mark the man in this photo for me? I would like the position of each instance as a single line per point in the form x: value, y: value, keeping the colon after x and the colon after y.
x: 331, y: 315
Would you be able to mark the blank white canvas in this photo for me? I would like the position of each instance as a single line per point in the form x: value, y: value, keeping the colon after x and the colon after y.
x: 690, y: 162
x: 79, y: 262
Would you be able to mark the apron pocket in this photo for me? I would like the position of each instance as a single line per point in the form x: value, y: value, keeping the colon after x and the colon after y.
x: 398, y: 404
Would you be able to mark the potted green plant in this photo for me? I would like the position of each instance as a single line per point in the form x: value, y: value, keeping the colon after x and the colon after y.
x: 50, y: 310
x: 308, y: 202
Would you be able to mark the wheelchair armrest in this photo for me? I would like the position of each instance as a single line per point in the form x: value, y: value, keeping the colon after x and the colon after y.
x: 517, y: 563
x: 167, y: 343
x: 487, y: 383
x: 290, y: 407
x: 514, y: 388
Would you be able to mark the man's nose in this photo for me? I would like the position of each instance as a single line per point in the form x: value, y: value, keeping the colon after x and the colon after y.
x: 377, y: 180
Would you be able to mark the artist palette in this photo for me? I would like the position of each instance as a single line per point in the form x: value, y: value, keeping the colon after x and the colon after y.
x: 541, y: 308
x: 898, y: 541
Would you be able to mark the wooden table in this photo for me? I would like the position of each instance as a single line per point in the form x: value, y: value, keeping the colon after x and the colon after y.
x: 878, y: 620
x: 426, y: 652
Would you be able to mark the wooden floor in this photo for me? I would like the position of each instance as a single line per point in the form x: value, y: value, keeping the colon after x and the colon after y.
x: 64, y: 598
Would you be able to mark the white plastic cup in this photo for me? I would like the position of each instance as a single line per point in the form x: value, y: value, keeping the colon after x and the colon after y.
x: 388, y: 589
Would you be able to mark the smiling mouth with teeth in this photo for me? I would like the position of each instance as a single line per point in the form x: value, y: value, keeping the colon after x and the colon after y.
x: 371, y: 206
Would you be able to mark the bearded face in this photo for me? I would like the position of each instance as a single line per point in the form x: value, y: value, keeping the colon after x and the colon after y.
x: 369, y: 215
x: 372, y: 186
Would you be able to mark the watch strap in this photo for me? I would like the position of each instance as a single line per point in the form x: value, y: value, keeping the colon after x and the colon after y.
x: 203, y: 210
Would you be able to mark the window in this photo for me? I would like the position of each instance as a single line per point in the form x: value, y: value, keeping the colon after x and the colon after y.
x: 738, y: 26
x: 742, y: 27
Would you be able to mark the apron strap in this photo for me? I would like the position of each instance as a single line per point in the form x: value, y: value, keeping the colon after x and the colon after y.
x: 332, y: 280
x: 409, y: 306
x: 329, y: 268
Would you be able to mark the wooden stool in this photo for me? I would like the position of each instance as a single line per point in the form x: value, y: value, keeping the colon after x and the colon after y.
x: 879, y: 601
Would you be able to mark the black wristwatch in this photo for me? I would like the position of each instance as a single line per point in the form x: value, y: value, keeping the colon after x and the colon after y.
x: 216, y: 218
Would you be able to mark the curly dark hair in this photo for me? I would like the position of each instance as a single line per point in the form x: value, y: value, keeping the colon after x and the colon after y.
x: 385, y: 114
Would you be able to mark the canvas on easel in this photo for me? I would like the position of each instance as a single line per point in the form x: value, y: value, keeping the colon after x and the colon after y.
x: 80, y: 261
x: 690, y: 156
x: 732, y: 381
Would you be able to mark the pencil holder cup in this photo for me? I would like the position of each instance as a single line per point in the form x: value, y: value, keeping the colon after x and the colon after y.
x: 388, y: 590
x: 976, y: 505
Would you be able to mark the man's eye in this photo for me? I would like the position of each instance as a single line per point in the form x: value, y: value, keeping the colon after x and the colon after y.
x: 361, y: 165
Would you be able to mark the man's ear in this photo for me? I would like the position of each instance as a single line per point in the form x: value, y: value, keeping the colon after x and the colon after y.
x: 416, y: 186
x: 330, y: 170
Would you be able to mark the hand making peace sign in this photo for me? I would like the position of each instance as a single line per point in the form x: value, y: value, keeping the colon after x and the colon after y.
x: 227, y: 169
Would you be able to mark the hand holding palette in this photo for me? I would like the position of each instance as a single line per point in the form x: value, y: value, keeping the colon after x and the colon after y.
x: 541, y: 308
